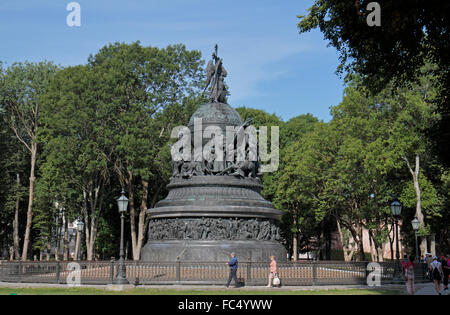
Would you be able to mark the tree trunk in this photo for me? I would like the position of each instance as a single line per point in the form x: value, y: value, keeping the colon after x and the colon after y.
x: 26, y: 240
x: 129, y: 181
x: 77, y: 246
x: 66, y: 239
x: 381, y: 251
x: 360, y: 243
x: 391, y: 241
x: 16, y: 221
x: 373, y: 247
x: 90, y: 251
x: 295, y: 237
x: 295, y: 246
x: 433, y: 245
x: 93, y: 198
x: 348, y: 252
x: 11, y: 253
x: 85, y: 215
x: 419, y: 214
x: 142, y: 217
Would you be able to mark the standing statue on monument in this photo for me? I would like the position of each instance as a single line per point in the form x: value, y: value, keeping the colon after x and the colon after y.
x: 216, y: 74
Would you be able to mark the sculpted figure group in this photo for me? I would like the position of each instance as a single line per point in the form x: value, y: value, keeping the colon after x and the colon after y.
x: 214, y: 229
x: 211, y: 165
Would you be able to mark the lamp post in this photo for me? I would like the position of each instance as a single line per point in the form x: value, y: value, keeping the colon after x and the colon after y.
x: 80, y: 227
x: 416, y: 225
x: 396, y: 208
x: 121, y: 277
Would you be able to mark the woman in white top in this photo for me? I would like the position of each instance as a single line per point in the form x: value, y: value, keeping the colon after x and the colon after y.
x: 436, y: 272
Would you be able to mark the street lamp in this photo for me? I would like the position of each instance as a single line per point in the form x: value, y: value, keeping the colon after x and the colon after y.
x: 396, y: 208
x: 122, y: 204
x: 80, y: 227
x: 416, y: 225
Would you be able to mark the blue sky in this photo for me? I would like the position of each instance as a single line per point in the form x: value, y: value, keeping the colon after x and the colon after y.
x: 270, y: 66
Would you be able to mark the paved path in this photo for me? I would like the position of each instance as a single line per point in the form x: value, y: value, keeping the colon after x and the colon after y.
x: 427, y: 289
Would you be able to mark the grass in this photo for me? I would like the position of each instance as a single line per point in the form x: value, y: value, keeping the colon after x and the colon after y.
x: 146, y: 291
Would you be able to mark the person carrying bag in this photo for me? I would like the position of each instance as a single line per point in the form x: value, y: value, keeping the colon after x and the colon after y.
x: 436, y: 271
x: 273, y: 275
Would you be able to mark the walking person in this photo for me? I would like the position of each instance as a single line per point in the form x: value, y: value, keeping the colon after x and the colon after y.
x: 428, y: 261
x: 436, y: 272
x: 446, y: 272
x: 403, y: 262
x: 233, y: 264
x: 273, y: 271
x: 408, y: 274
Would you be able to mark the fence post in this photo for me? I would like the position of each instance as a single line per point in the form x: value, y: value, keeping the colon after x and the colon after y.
x: 366, y: 268
x: 111, y: 270
x: 58, y: 270
x: 249, y: 271
x: 20, y: 270
x: 178, y: 270
x: 136, y: 272
x: 314, y: 273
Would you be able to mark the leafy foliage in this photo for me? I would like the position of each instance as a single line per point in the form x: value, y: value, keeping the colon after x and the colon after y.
x: 412, y: 34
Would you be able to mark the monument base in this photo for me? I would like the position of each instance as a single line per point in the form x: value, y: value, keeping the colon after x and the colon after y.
x: 211, y: 251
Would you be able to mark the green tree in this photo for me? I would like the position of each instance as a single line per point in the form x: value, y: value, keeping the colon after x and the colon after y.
x: 291, y: 131
x: 349, y: 168
x: 112, y: 118
x: 13, y: 190
x: 153, y: 87
x: 411, y: 35
x: 77, y: 136
x: 21, y: 88
x: 295, y: 128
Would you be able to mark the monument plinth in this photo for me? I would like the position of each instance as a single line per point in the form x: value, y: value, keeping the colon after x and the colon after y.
x: 214, y: 207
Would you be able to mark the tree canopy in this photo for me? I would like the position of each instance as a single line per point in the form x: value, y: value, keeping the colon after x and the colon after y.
x: 412, y: 34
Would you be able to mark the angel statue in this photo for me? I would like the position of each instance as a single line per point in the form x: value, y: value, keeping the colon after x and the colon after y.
x: 216, y: 74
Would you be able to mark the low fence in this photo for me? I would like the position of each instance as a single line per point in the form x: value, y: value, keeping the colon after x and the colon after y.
x: 250, y: 273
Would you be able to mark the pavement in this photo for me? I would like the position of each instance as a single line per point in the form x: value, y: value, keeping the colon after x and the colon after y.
x: 428, y: 289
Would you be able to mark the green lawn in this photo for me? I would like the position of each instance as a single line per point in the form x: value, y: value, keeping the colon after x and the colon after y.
x: 92, y: 291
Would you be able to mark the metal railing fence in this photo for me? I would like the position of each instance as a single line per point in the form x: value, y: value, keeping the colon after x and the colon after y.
x: 251, y: 273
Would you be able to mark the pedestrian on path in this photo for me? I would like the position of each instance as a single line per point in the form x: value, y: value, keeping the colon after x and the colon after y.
x: 428, y: 261
x: 409, y: 277
x: 233, y: 264
x: 403, y: 262
x: 437, y: 273
x: 273, y: 271
x: 446, y: 272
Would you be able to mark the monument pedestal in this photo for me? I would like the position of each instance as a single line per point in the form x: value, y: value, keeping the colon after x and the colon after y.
x: 208, y: 214
x: 212, y: 251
